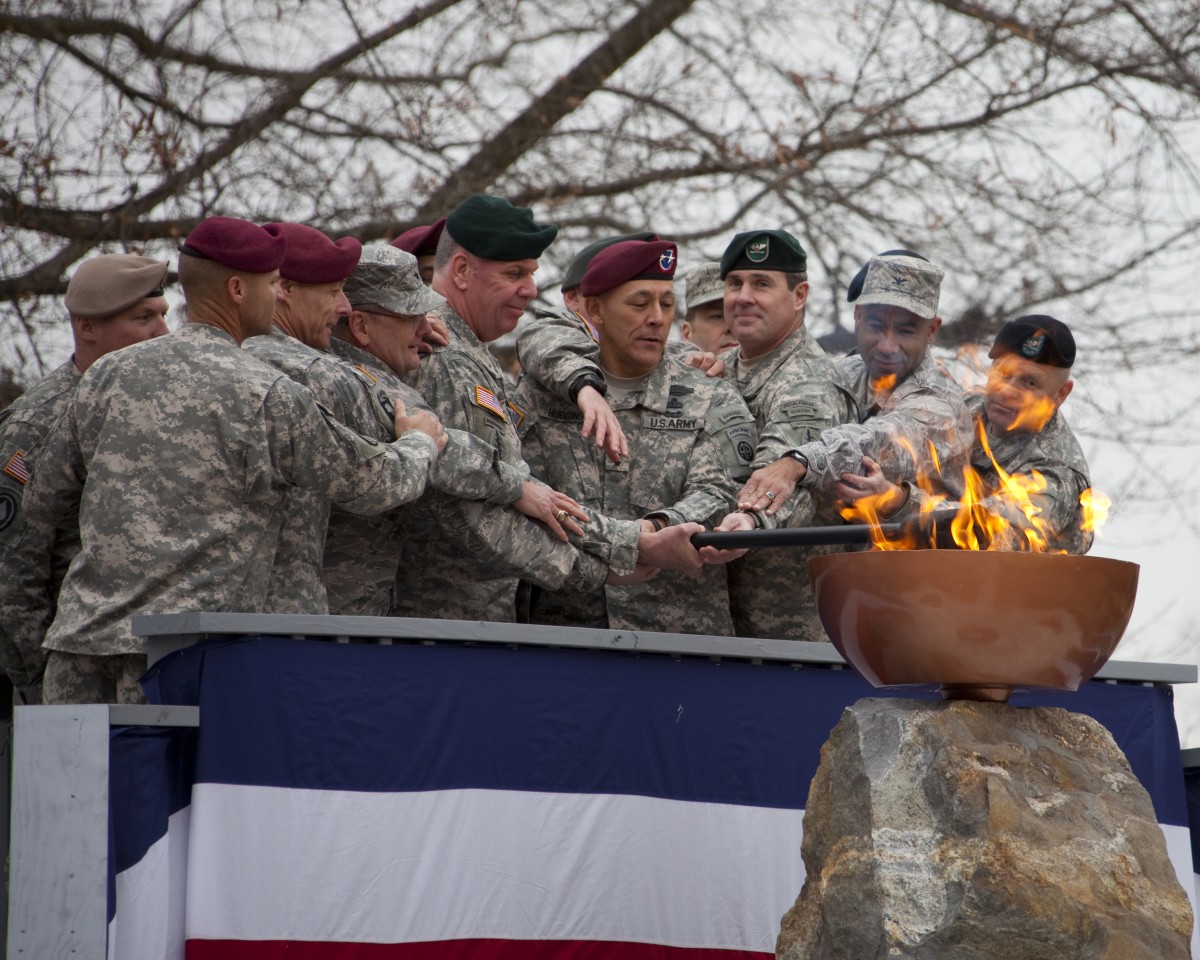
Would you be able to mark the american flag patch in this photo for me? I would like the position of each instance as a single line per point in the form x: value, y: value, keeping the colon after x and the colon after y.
x: 517, y: 412
x: 486, y: 399
x: 17, y: 468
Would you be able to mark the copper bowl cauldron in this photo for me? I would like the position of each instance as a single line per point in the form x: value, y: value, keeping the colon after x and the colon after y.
x: 977, y: 623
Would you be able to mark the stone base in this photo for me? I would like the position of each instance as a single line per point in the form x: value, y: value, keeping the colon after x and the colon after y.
x: 978, y: 831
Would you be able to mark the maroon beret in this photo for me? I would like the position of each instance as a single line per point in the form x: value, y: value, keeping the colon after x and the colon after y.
x: 237, y: 244
x: 313, y: 258
x: 421, y: 241
x: 629, y: 260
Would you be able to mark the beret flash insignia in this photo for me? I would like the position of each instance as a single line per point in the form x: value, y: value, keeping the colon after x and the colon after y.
x: 758, y: 250
x: 1033, y: 346
x: 666, y: 261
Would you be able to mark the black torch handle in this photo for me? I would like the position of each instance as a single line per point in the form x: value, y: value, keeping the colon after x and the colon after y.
x: 789, y: 537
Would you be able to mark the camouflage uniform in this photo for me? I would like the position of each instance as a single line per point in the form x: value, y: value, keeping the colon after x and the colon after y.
x: 189, y: 447
x: 461, y: 561
x: 1055, y: 454
x: 691, y: 440
x: 896, y: 429
x: 363, y: 554
x: 33, y: 556
x: 793, y: 393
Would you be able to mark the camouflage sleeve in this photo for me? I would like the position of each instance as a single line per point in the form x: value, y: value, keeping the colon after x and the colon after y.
x: 28, y: 580
x: 718, y: 466
x: 556, y: 349
x: 799, y: 410
x: 313, y: 450
x: 898, y: 439
x: 471, y: 468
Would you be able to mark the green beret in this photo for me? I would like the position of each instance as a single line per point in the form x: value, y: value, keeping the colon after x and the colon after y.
x: 578, y: 266
x: 764, y: 250
x: 492, y: 228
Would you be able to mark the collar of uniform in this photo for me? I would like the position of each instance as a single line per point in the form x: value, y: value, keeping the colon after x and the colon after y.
x: 205, y: 331
x: 656, y: 394
x: 766, y: 367
x: 357, y: 356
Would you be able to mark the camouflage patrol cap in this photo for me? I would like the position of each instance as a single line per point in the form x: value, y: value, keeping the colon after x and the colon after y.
x: 703, y: 285
x: 387, y: 277
x: 775, y: 250
x: 494, y: 229
x: 901, y: 280
x: 578, y: 267
x: 1038, y: 338
x: 111, y: 282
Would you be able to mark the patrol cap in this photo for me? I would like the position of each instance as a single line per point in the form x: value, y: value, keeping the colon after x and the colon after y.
x: 629, y: 260
x: 764, y: 250
x: 237, y: 244
x: 1036, y: 337
x: 578, y: 266
x: 312, y: 257
x: 703, y: 285
x: 901, y: 280
x: 421, y: 241
x: 492, y: 228
x: 111, y: 282
x: 387, y: 277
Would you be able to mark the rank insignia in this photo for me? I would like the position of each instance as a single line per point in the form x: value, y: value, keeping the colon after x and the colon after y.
x: 1033, y: 346
x: 587, y: 325
x: 758, y: 250
x: 517, y: 413
x: 17, y: 468
x: 486, y: 399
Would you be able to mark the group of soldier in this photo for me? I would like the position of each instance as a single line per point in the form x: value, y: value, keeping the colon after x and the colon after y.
x: 329, y: 432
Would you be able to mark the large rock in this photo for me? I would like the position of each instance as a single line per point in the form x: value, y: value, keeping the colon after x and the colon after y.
x: 962, y: 830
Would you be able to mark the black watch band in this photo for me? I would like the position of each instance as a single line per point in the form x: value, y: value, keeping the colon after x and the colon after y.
x: 798, y: 457
x: 587, y: 380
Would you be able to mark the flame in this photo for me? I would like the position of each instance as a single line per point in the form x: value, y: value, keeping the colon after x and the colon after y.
x: 999, y: 511
x: 884, y: 384
x: 1035, y: 413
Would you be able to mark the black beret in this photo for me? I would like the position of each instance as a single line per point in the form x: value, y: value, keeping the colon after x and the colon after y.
x: 629, y: 260
x: 237, y: 244
x: 1038, y: 338
x: 312, y: 257
x: 578, y: 267
x: 421, y: 241
x: 775, y: 250
x: 111, y: 282
x: 492, y: 228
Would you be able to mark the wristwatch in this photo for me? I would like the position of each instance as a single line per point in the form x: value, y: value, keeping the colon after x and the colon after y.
x: 587, y: 380
x: 798, y: 457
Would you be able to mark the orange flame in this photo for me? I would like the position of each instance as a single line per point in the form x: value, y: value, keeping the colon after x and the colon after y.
x: 1001, y: 515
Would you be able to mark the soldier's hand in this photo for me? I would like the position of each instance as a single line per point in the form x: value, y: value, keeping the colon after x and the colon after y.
x: 732, y: 521
x: 852, y: 487
x: 671, y: 548
x: 709, y: 363
x: 423, y: 420
x: 598, y: 417
x: 556, y: 510
x: 769, y: 487
x: 641, y: 573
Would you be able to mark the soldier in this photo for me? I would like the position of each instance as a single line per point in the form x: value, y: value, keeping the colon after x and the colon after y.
x: 691, y: 442
x: 187, y: 445
x: 1020, y: 430
x: 362, y: 554
x: 704, y: 322
x: 906, y: 403
x: 113, y: 300
x: 422, y: 243
x: 793, y: 391
x: 485, y: 263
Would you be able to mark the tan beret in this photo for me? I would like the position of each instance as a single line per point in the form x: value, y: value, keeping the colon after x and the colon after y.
x: 111, y: 282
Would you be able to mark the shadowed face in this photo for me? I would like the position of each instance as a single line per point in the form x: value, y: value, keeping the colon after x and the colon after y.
x: 892, y: 341
x: 633, y: 321
x: 1022, y: 396
x: 706, y: 327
